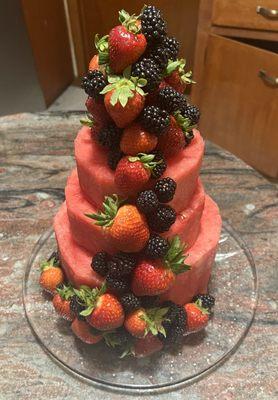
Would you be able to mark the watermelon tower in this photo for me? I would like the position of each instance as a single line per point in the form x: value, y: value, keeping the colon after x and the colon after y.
x: 136, y: 221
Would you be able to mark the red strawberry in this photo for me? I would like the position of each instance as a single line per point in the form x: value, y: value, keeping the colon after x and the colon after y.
x: 173, y: 140
x: 51, y: 275
x: 176, y: 75
x: 61, y: 302
x: 132, y: 173
x: 151, y: 278
x: 136, y: 139
x: 148, y: 345
x: 82, y: 330
x: 126, y: 44
x: 197, y: 316
x: 93, y: 64
x: 139, y: 322
x: 103, y: 310
x: 97, y: 110
x: 127, y: 227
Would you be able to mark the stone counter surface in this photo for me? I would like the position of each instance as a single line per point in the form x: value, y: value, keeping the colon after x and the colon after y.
x: 36, y: 158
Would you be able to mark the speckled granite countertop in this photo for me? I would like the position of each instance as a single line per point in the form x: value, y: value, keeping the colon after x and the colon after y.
x: 36, y: 157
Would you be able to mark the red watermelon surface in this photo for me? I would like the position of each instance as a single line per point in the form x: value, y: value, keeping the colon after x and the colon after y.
x: 95, y: 238
x: 76, y: 260
x: 97, y: 179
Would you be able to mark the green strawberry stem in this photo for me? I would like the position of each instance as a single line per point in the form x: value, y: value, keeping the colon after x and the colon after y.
x: 106, y: 217
x: 87, y: 121
x: 179, y: 65
x: 88, y: 297
x: 154, y: 318
x: 66, y: 291
x: 48, y: 264
x: 129, y: 21
x: 204, y: 310
x: 174, y: 258
x: 147, y: 160
x: 102, y: 47
x: 185, y: 123
x: 124, y: 87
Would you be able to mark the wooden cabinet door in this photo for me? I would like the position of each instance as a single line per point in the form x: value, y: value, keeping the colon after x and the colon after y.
x: 239, y: 109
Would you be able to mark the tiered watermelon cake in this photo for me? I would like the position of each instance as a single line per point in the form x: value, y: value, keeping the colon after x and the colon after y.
x: 137, y: 234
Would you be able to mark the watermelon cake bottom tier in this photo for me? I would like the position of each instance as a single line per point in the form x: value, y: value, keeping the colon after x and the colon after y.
x: 87, y: 234
x: 76, y: 260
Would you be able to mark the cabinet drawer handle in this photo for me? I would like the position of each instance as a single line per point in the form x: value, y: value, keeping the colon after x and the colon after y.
x: 267, y: 12
x: 270, y: 80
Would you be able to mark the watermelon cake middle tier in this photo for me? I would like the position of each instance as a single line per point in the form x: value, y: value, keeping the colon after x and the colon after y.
x: 97, y: 179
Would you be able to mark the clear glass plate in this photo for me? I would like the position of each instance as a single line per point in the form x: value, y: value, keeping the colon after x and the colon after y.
x: 233, y: 283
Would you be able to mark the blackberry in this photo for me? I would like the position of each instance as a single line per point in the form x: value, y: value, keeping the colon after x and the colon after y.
x: 109, y: 136
x: 147, y: 201
x: 76, y: 307
x: 159, y: 169
x: 171, y: 100
x: 192, y: 112
x: 165, y: 189
x: 119, y: 285
x: 114, y: 157
x: 152, y: 24
x: 175, y: 334
x: 175, y: 317
x: 54, y: 255
x: 207, y: 300
x: 93, y: 83
x: 100, y: 263
x: 156, y: 247
x: 125, y: 264
x: 130, y: 302
x: 147, y: 69
x: 172, y: 46
x: 122, y: 336
x: 162, y: 219
x: 155, y: 120
x: 149, y: 301
x: 160, y: 56
x: 188, y: 137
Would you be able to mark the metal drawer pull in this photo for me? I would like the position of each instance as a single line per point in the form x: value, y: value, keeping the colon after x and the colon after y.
x: 270, y: 80
x: 267, y: 12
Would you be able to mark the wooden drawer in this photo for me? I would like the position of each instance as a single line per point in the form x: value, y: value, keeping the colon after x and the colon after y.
x: 239, y: 109
x: 243, y: 14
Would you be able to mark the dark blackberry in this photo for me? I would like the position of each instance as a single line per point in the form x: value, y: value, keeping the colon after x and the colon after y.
x: 192, y: 112
x: 160, y: 168
x: 188, y: 137
x: 147, y: 69
x: 160, y: 56
x: 130, y: 302
x: 76, y: 307
x: 93, y: 83
x: 155, y: 120
x: 172, y: 46
x: 114, y: 157
x: 156, y: 247
x: 152, y: 24
x: 207, y: 300
x: 125, y: 264
x: 109, y: 136
x: 55, y: 256
x: 171, y: 100
x: 175, y: 316
x: 165, y: 189
x: 162, y: 219
x: 119, y: 285
x: 149, y: 301
x: 175, y: 334
x: 100, y: 263
x: 147, y: 201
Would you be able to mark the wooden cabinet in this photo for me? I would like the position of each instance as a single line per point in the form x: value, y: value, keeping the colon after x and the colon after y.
x: 237, y: 82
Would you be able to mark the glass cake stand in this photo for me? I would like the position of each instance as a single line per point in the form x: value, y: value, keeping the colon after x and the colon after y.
x: 233, y: 283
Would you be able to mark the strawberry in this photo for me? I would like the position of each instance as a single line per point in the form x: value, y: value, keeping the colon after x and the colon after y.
x: 124, y: 98
x: 97, y: 110
x: 51, y: 275
x: 103, y: 310
x: 126, y: 43
x: 140, y: 322
x: 93, y: 64
x: 153, y: 277
x: 127, y: 227
x: 132, y: 173
x: 176, y: 75
x: 82, y: 330
x: 197, y: 316
x: 136, y: 139
x: 61, y: 301
x: 146, y: 346
x: 174, y: 139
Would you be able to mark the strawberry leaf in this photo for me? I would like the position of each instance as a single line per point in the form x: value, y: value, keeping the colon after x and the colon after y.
x: 174, y: 258
x: 106, y: 217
